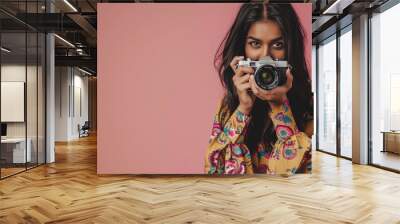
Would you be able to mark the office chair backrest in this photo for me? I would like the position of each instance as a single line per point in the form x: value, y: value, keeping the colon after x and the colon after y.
x: 86, y: 125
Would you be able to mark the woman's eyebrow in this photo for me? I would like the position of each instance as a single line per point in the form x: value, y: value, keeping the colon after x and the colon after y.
x: 273, y: 40
x: 277, y: 39
x: 253, y: 38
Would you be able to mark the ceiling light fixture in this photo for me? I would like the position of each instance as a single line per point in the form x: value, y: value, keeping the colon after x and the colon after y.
x: 5, y: 49
x: 70, y: 5
x: 84, y: 71
x: 337, y: 7
x: 64, y: 40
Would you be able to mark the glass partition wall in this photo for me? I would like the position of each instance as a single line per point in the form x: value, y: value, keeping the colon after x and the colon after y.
x: 334, y: 94
x: 385, y: 90
x: 22, y: 88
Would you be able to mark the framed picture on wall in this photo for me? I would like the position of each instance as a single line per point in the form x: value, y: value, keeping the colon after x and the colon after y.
x: 205, y: 88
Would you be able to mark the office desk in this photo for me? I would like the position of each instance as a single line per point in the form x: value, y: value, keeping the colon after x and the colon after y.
x: 13, y: 150
x: 391, y: 141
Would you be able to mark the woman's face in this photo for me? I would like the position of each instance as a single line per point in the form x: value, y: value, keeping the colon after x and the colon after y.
x: 264, y: 39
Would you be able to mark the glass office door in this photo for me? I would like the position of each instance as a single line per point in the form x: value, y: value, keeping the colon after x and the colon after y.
x: 22, y: 88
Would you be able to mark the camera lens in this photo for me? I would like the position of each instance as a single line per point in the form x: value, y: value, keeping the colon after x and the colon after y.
x: 266, y: 77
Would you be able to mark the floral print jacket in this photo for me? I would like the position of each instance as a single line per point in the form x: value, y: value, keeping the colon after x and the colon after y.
x: 227, y: 153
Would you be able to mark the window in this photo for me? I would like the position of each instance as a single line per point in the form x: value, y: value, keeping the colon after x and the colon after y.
x: 346, y: 92
x: 327, y: 96
x: 385, y: 87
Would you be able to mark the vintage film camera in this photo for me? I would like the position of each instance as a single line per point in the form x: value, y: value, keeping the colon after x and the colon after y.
x: 268, y: 73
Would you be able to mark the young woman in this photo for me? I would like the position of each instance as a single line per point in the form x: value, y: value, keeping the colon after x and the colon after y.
x: 257, y: 130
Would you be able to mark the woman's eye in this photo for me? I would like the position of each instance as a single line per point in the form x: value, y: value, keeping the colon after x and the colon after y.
x: 255, y: 44
x: 278, y: 45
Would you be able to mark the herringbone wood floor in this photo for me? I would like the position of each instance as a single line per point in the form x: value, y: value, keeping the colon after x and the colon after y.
x: 70, y: 191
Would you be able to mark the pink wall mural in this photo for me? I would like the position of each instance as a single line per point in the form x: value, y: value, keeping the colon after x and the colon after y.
x: 157, y: 87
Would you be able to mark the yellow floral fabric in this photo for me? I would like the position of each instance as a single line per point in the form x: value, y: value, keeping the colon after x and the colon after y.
x: 227, y: 153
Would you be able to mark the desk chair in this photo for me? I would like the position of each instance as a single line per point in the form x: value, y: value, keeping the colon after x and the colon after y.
x: 84, y: 130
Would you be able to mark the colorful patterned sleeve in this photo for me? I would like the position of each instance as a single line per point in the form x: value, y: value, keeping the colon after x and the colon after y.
x: 224, y: 134
x: 292, y: 150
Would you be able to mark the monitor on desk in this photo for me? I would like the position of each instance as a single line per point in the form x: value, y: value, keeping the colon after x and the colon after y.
x: 3, y: 130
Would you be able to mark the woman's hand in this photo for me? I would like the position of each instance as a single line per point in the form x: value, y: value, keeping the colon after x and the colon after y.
x: 241, y: 81
x: 276, y: 96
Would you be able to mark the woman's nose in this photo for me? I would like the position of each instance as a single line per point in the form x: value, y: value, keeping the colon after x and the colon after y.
x: 264, y: 52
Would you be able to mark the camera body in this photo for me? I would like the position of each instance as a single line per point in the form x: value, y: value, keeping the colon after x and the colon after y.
x: 268, y: 73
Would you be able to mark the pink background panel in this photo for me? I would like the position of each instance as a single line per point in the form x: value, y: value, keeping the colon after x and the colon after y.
x: 157, y: 87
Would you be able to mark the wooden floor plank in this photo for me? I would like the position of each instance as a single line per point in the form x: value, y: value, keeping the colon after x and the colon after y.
x: 70, y: 191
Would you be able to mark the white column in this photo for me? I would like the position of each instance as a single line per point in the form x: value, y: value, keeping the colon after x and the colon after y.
x: 50, y: 92
x: 360, y: 90
x: 50, y: 100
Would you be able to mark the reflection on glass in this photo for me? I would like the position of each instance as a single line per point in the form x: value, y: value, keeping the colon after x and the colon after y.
x: 22, y: 90
x: 327, y: 96
x: 13, y: 86
x: 385, y: 86
x: 346, y: 94
x: 31, y: 101
x: 32, y: 90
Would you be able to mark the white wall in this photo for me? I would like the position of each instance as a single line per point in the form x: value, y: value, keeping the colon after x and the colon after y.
x: 61, y: 103
x: 13, y: 101
x: 80, y: 111
x: 12, y: 73
x: 71, y: 93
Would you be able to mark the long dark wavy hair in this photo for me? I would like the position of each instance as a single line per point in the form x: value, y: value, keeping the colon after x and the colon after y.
x: 260, y: 129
